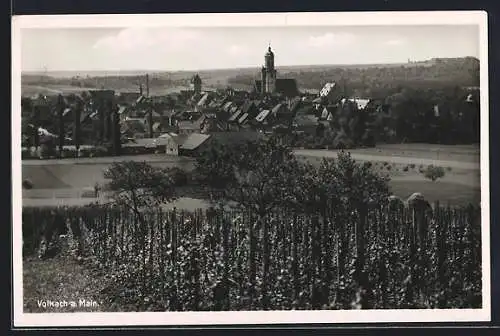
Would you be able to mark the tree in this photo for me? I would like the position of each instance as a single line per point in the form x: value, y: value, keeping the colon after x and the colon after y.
x: 115, y: 129
x: 335, y: 191
x: 433, y: 172
x: 138, y: 185
x: 77, y: 110
x: 257, y: 176
x: 61, y: 132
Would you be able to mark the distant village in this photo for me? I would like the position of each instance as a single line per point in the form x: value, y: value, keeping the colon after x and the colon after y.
x: 182, y: 123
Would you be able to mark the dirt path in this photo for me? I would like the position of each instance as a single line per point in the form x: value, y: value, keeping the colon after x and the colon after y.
x: 161, y: 158
x: 391, y: 159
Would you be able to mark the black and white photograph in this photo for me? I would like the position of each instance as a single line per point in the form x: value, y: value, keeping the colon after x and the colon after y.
x: 264, y: 168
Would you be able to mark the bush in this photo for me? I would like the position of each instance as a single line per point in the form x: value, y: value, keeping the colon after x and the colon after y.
x: 100, y: 151
x: 68, y: 153
x: 27, y: 184
x: 84, y: 153
x: 412, y: 166
x: 26, y: 154
x: 434, y: 172
x: 179, y: 176
x: 406, y: 168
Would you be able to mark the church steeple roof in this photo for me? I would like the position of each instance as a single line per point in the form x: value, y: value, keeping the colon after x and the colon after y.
x: 269, y: 51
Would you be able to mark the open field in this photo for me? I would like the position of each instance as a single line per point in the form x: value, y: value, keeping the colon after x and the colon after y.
x: 62, y: 181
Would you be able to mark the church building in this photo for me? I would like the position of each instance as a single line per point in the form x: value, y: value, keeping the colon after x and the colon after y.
x: 270, y: 84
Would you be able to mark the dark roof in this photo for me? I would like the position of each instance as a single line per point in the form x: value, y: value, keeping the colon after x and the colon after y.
x: 276, y: 108
x: 128, y: 96
x: 194, y: 141
x: 167, y: 113
x: 247, y: 106
x: 102, y: 93
x: 134, y: 125
x: 304, y: 110
x: 235, y: 137
x: 287, y: 87
x: 296, y: 103
x: 84, y: 117
x: 221, y: 115
x: 177, y: 138
x: 306, y: 120
x: 257, y: 103
x: 189, y: 125
x: 203, y: 100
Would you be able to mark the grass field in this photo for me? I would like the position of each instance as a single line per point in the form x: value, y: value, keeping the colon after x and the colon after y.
x: 61, y: 181
x: 403, y: 163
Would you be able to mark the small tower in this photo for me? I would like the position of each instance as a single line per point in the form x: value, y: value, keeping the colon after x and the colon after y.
x: 268, y: 73
x: 196, y: 83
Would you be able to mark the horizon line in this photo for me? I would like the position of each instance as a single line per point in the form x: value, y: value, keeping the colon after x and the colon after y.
x: 41, y: 71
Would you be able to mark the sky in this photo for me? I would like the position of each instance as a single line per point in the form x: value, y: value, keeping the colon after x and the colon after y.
x: 176, y: 48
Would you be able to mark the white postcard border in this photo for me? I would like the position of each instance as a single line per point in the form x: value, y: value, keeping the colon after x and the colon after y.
x: 22, y: 319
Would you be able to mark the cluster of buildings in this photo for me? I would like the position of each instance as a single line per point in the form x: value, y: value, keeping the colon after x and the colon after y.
x: 181, y: 123
x: 186, y: 120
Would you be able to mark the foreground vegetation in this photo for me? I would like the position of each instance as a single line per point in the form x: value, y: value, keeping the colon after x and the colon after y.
x: 220, y: 261
x: 284, y: 235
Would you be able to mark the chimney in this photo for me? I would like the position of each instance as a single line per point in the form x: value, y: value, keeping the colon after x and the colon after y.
x: 147, y: 85
x: 140, y: 89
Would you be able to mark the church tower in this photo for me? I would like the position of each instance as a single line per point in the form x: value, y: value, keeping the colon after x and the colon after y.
x: 268, y: 73
x: 196, y: 84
